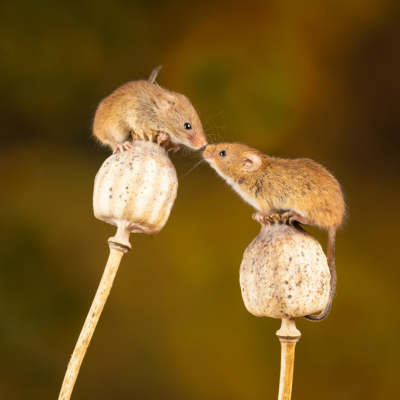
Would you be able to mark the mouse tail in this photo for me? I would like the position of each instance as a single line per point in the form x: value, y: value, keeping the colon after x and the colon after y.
x: 332, y: 268
x: 154, y: 74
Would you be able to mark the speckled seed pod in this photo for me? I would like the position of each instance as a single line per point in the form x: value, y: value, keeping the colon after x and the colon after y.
x: 138, y: 186
x: 284, y: 273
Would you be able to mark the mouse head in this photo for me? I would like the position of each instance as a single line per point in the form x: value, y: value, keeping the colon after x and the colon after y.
x: 233, y: 160
x: 180, y: 120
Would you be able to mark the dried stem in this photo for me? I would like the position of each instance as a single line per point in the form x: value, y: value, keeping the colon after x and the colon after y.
x: 119, y: 245
x: 288, y: 335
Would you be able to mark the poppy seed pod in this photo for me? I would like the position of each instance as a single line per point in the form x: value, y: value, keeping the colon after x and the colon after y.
x: 138, y: 187
x: 135, y: 191
x: 284, y: 272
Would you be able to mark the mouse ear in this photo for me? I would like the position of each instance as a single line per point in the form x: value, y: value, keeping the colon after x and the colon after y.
x: 166, y: 101
x: 251, y: 162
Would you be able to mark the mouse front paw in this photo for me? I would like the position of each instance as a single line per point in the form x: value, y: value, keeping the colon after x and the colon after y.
x: 120, y: 148
x: 260, y: 217
x: 163, y: 135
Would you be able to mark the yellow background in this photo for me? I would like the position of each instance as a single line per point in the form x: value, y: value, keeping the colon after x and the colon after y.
x: 318, y: 79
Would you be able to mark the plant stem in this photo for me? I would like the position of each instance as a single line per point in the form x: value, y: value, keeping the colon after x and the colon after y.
x: 118, y: 247
x: 288, y: 335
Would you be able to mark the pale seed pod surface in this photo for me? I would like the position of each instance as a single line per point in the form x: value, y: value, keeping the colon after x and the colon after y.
x: 284, y: 273
x: 138, y: 186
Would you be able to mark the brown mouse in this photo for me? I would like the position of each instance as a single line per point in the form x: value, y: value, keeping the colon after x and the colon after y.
x: 142, y: 106
x: 302, y: 188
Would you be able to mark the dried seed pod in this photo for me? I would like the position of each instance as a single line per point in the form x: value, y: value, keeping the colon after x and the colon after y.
x: 135, y: 191
x: 284, y: 272
x: 137, y: 186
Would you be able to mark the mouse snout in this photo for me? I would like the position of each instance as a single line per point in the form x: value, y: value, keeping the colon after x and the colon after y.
x: 209, y: 151
x: 198, y: 142
x: 203, y: 142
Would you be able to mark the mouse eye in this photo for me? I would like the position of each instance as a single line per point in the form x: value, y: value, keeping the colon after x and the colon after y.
x: 222, y: 153
x: 187, y: 126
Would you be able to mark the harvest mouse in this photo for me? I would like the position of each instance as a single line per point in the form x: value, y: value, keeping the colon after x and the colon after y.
x: 142, y: 106
x: 301, y: 187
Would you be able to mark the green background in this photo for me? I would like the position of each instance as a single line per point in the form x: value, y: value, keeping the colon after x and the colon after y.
x: 292, y: 78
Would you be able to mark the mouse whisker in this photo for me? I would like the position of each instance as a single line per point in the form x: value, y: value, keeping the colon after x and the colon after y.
x: 214, y: 128
x: 209, y: 129
x: 216, y: 136
x: 202, y: 161
x: 183, y: 152
x: 212, y: 137
x: 213, y: 116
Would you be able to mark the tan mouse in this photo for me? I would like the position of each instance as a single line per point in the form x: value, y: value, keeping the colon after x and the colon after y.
x: 300, y: 187
x: 142, y: 106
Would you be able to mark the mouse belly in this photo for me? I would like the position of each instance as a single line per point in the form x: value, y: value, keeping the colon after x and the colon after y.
x: 248, y: 199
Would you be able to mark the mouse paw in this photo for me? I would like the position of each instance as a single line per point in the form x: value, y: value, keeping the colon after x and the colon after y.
x: 139, y: 134
x: 293, y: 216
x: 122, y: 147
x: 163, y: 135
x: 260, y: 217
x: 168, y: 145
x: 152, y: 136
x: 127, y: 146
x: 286, y: 218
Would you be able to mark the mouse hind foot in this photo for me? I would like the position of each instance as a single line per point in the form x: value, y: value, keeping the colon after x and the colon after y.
x: 264, y: 218
x: 293, y: 216
x: 288, y: 217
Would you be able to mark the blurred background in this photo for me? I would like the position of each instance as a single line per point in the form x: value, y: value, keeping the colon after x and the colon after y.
x: 294, y: 79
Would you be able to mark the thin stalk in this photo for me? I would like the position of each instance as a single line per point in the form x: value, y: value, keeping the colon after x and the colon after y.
x: 119, y: 245
x: 288, y: 335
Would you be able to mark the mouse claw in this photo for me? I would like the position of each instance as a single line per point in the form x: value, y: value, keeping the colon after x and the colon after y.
x: 140, y: 135
x: 127, y: 146
x: 265, y: 219
x: 169, y: 147
x: 176, y: 148
x: 275, y: 218
x: 122, y: 147
x: 149, y: 136
x: 152, y: 135
x: 167, y: 144
x: 285, y: 218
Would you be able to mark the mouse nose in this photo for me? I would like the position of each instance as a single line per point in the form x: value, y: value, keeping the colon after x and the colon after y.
x: 203, y: 143
x: 209, y: 151
x: 198, y: 142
